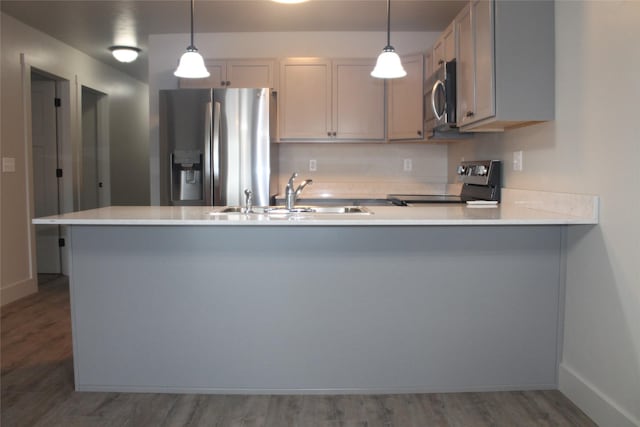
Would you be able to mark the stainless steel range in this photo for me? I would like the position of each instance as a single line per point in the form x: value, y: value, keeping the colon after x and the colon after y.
x: 481, y: 180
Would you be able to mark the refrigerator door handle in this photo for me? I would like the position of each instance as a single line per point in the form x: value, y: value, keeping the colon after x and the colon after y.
x: 207, y: 156
x: 215, y: 156
x: 171, y: 179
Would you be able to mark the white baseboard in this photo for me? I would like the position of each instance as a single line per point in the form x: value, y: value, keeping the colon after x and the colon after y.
x: 592, y: 401
x: 18, y: 290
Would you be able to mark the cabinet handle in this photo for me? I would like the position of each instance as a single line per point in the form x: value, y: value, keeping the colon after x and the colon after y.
x: 222, y: 83
x: 469, y: 114
x: 228, y: 83
x: 335, y: 133
x: 419, y: 133
x: 328, y: 133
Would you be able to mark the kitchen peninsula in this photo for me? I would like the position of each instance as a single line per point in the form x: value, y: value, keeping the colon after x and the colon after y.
x: 438, y: 298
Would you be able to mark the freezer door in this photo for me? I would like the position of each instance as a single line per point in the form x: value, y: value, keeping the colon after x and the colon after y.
x: 185, y: 130
x: 241, y: 146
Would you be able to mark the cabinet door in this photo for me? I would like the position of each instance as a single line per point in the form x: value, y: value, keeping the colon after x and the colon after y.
x: 305, y: 99
x: 404, y: 101
x: 444, y: 49
x: 482, y: 16
x: 449, y: 37
x: 250, y: 73
x: 358, y: 101
x: 428, y: 64
x: 438, y: 53
x: 465, y: 68
x: 218, y: 76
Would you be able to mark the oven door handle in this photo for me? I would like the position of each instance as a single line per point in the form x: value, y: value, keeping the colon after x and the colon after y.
x: 433, y: 99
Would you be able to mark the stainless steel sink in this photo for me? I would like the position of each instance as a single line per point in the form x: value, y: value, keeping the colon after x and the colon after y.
x: 300, y: 210
x: 340, y: 210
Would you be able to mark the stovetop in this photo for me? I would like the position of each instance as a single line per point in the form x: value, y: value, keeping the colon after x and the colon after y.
x: 481, y: 180
x: 404, y: 199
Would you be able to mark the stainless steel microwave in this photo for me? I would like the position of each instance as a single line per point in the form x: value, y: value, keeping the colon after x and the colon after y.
x: 440, y: 99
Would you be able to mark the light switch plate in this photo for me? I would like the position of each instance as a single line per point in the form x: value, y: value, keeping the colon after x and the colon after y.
x: 407, y: 165
x: 313, y: 165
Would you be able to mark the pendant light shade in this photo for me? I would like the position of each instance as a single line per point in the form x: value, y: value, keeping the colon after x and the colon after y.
x: 388, y: 65
x: 191, y: 65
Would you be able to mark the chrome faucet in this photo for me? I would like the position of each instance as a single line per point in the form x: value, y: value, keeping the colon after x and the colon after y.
x: 248, y: 208
x: 291, y: 194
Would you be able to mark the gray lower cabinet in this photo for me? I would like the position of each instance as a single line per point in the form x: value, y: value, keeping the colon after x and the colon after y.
x: 506, y: 64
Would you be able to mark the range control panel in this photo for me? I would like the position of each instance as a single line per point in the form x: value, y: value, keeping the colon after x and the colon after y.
x: 480, y: 172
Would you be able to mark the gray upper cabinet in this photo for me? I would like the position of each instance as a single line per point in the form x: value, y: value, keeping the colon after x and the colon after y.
x: 505, y: 64
x: 255, y: 73
x: 330, y: 100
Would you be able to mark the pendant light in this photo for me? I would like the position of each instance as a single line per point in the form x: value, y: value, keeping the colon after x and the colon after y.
x: 191, y: 64
x: 388, y: 65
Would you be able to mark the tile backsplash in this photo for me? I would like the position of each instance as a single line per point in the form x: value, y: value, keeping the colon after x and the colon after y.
x: 362, y: 164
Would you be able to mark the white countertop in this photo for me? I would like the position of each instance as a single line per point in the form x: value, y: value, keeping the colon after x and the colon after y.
x: 435, y: 214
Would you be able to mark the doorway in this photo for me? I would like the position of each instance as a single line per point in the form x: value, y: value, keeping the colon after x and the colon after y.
x: 94, y: 167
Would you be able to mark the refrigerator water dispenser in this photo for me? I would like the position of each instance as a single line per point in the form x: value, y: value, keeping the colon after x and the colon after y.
x: 186, y: 177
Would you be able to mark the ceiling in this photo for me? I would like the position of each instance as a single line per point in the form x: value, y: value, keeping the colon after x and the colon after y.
x: 92, y: 26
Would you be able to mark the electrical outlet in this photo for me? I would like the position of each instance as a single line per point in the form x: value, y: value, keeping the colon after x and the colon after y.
x: 313, y: 165
x: 407, y: 165
x: 517, y: 161
x: 8, y: 164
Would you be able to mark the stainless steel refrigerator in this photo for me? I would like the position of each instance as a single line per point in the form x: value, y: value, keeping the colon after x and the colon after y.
x: 214, y: 144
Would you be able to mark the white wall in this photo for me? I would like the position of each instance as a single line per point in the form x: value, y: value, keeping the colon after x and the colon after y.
x: 593, y: 147
x: 429, y: 159
x: 128, y: 132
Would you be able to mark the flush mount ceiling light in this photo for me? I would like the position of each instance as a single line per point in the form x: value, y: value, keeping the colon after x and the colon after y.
x: 124, y: 53
x: 191, y: 64
x: 388, y: 65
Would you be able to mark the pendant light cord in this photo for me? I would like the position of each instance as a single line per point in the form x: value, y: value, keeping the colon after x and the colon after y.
x: 192, y: 45
x: 388, y: 23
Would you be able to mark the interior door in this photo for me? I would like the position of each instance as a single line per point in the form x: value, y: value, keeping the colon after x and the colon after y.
x: 45, y: 163
x: 90, y: 185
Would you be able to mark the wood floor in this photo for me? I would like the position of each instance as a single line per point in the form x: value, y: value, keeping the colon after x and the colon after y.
x: 37, y: 390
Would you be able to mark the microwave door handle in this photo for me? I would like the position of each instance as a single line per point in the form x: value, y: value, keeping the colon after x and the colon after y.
x: 433, y: 99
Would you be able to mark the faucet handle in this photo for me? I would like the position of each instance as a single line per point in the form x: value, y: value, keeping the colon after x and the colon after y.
x: 290, y: 183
